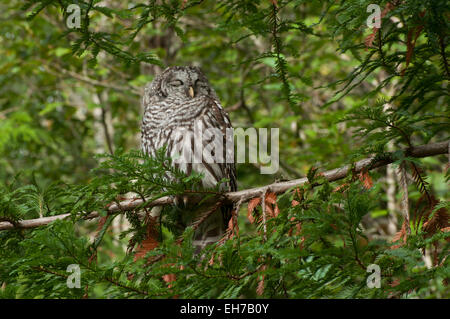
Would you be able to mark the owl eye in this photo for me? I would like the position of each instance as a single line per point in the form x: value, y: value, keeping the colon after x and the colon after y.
x: 201, y: 84
x: 176, y: 83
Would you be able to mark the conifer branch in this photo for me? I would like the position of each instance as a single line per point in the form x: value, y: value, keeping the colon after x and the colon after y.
x: 247, y: 194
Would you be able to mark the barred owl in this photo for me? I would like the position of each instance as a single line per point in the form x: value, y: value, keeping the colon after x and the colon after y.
x: 181, y: 99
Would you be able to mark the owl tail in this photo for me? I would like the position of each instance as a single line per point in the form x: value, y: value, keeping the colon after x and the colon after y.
x: 209, y: 231
x: 210, y: 222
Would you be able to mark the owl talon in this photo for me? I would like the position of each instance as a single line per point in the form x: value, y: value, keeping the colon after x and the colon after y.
x: 181, y: 201
x: 185, y: 201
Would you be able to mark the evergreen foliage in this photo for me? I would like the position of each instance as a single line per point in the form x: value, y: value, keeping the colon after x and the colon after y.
x: 338, y: 90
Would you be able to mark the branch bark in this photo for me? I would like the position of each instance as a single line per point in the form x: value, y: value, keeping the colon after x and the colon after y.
x: 247, y: 194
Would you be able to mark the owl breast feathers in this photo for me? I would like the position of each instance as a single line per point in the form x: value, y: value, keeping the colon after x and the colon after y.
x: 182, y: 113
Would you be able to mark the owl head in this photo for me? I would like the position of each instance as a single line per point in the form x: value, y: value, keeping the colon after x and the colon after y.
x: 181, y: 82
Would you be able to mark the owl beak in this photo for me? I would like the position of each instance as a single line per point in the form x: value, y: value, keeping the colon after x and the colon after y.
x: 191, y: 91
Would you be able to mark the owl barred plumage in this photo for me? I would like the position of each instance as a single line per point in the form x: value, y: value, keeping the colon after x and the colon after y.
x: 179, y: 106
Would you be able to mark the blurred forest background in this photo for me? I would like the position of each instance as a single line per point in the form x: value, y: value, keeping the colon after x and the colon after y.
x: 338, y: 89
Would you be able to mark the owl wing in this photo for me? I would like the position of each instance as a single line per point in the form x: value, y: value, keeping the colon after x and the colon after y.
x: 212, y: 115
x: 219, y: 119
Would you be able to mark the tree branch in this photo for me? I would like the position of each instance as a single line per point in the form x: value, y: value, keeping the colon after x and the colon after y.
x: 116, y: 87
x: 247, y: 194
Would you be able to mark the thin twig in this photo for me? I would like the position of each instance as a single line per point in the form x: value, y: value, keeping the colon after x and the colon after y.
x: 125, y: 88
x: 405, y: 197
x: 263, y: 205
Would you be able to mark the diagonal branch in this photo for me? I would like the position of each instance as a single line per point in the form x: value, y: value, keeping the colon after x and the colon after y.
x: 116, y: 87
x: 247, y: 194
